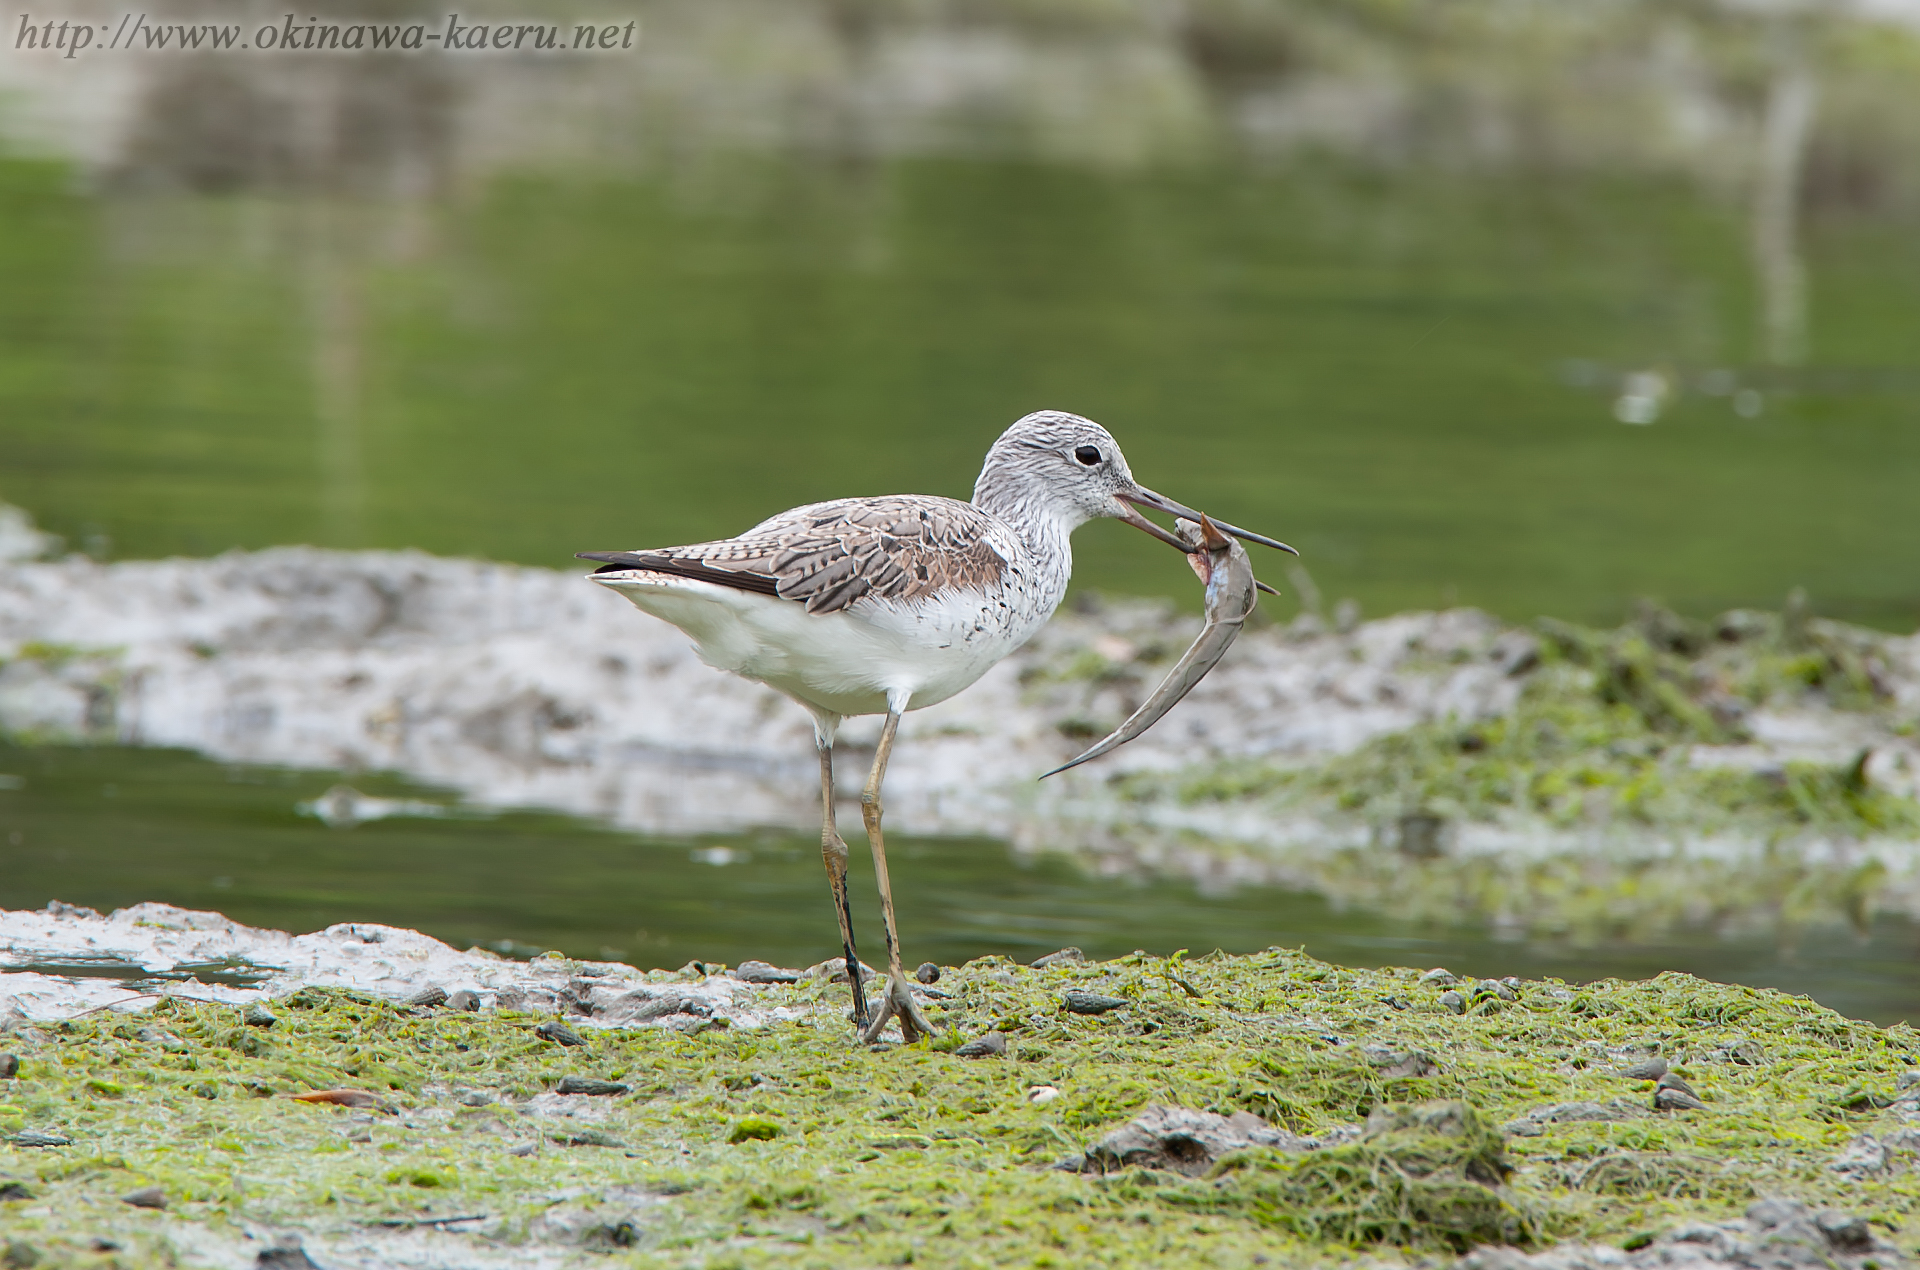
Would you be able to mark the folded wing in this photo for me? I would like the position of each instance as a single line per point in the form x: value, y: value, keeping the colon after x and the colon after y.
x: 828, y: 555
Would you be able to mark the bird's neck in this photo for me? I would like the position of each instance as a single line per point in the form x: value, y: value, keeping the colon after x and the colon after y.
x: 1043, y: 524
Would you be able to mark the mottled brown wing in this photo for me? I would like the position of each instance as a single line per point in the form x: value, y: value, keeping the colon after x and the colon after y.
x: 831, y: 554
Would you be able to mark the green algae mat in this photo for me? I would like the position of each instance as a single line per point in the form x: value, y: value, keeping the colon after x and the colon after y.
x: 788, y: 1145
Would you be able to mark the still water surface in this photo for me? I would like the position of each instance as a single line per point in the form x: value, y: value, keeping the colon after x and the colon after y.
x: 107, y: 827
x: 1372, y: 366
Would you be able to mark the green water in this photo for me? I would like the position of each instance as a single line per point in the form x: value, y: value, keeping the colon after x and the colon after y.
x: 1366, y: 366
x: 107, y: 827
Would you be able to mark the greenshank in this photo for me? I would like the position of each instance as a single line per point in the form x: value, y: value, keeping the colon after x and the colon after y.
x: 893, y: 603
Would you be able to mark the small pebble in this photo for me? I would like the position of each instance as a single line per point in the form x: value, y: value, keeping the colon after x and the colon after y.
x: 1065, y: 957
x: 474, y: 1098
x: 559, y: 1032
x: 465, y: 999
x: 927, y: 973
x: 146, y: 1197
x: 1453, y: 1001
x: 762, y: 972
x: 9, y: 1066
x: 1413, y: 1064
x: 1647, y: 1069
x: 525, y: 1149
x: 592, y: 1088
x: 992, y: 1045
x: 1667, y: 1098
x: 1438, y: 977
x: 1398, y: 1003
x: 1495, y: 988
x: 1907, y: 1080
x: 1672, y: 1080
x: 1078, y: 1002
x: 1041, y: 1095
x: 286, y: 1257
x: 1847, y: 1232
x: 429, y: 997
x: 41, y: 1138
x: 164, y: 1039
x: 259, y: 1016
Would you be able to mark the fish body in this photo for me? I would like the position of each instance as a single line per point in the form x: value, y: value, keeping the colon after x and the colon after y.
x: 1223, y: 566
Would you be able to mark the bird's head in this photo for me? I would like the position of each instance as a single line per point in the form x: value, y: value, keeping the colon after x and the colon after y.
x: 1070, y: 468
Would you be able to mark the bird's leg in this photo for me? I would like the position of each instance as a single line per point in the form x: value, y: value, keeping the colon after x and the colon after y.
x: 899, y: 997
x: 833, y: 850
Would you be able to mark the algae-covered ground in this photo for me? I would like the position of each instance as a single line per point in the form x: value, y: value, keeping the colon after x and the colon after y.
x: 1657, y: 726
x: 790, y: 1145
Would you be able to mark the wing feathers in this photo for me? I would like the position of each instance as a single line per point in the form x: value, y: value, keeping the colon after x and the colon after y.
x: 831, y: 554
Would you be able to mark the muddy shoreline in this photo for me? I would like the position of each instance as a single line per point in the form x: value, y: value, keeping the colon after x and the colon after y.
x: 572, y: 1114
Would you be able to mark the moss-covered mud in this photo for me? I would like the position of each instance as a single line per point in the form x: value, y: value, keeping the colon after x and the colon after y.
x: 788, y: 1145
x: 1757, y: 772
x: 1644, y: 727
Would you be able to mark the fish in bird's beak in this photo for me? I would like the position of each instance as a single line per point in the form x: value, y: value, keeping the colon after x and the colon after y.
x: 1141, y: 496
x: 1223, y: 566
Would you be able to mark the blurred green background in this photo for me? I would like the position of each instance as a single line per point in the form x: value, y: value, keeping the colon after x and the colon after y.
x: 1373, y: 277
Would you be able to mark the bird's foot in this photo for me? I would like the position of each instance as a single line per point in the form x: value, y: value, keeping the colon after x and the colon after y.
x: 897, y: 1002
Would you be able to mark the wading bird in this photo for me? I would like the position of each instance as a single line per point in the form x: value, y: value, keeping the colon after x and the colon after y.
x: 894, y: 603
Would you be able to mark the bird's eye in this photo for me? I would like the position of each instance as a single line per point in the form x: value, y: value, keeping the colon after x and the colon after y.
x: 1087, y: 454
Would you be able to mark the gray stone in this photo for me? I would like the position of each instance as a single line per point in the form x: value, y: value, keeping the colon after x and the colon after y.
x: 927, y: 973
x: 1065, y: 957
x: 9, y: 1066
x: 1397, y: 1065
x: 429, y: 997
x: 258, y: 1015
x: 146, y: 1197
x: 1438, y: 977
x: 1534, y: 1123
x: 1865, y: 1156
x: 642, y: 1006
x: 1647, y: 1069
x: 992, y: 1045
x: 464, y: 999
x: 559, y: 1033
x: 1453, y: 1001
x: 591, y: 1088
x: 1674, y: 1080
x: 1078, y: 1002
x: 763, y: 973
x: 1185, y: 1141
x: 41, y: 1138
x: 1670, y: 1099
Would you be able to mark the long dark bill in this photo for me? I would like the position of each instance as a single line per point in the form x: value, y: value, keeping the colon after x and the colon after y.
x: 1144, y: 497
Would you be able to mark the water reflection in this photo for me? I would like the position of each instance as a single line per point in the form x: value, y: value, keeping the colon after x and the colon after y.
x: 183, y: 830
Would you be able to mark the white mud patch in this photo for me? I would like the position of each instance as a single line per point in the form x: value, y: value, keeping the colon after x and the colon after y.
x: 152, y: 951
